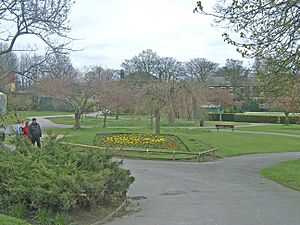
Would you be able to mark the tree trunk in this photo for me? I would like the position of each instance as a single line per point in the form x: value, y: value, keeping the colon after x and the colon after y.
x: 201, y: 122
x: 194, y: 108
x: 171, y: 117
x: 157, y: 121
x: 221, y: 112
x: 77, y: 120
x: 286, y: 119
x: 117, y: 114
x: 151, y: 121
x: 104, y: 120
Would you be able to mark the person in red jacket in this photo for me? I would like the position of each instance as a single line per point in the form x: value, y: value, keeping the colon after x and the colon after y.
x: 25, y: 130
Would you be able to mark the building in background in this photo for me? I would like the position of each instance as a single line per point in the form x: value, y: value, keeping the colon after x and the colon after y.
x: 3, y: 103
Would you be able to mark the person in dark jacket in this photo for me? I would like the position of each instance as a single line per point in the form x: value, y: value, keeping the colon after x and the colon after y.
x: 35, y: 132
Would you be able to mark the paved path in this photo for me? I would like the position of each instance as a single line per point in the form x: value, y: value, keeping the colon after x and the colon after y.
x: 229, y: 191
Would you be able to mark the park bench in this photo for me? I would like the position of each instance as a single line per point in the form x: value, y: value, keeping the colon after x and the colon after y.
x: 225, y: 126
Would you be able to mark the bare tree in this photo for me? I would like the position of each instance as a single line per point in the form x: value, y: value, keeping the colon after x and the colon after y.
x: 155, y: 98
x: 79, y: 93
x: 266, y: 29
x: 223, y: 98
x: 117, y: 96
x: 281, y: 91
x: 147, y: 61
x: 8, y: 63
x: 46, y: 20
x: 57, y: 65
x: 192, y: 97
x: 200, y: 69
x: 168, y: 68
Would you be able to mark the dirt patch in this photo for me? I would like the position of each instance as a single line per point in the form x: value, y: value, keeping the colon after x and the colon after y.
x: 90, y: 216
x: 101, y: 215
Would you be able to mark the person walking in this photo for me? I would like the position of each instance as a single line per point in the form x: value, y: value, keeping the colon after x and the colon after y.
x: 35, y: 132
x: 25, y: 130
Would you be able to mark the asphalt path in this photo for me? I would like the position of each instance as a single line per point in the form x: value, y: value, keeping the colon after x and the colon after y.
x: 229, y: 191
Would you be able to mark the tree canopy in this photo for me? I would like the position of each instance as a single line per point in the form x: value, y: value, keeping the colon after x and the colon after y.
x: 267, y: 29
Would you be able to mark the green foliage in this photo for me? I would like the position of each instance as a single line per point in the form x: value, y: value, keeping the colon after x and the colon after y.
x: 44, y: 216
x: 18, y: 210
x: 59, y: 178
x: 62, y: 219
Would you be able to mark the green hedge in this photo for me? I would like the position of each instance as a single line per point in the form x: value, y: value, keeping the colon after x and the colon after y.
x: 292, y: 119
x: 228, y: 117
x: 253, y: 118
x: 213, y: 116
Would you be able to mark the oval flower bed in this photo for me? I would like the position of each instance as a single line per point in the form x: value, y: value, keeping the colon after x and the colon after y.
x: 141, y: 141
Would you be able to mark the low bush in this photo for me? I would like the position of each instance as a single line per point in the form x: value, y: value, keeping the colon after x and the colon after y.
x: 59, y: 177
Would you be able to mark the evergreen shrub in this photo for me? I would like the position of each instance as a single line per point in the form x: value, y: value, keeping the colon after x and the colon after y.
x: 59, y: 177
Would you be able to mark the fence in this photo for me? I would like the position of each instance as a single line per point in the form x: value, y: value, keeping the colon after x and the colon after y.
x: 200, y: 155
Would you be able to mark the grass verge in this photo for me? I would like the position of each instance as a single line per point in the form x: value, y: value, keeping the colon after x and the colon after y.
x: 7, y: 220
x: 276, y: 128
x: 286, y: 173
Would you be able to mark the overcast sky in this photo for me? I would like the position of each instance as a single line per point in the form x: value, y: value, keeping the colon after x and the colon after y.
x: 110, y: 31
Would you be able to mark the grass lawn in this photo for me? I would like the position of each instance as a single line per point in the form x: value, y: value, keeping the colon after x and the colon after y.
x: 234, y: 144
x: 98, y: 122
x: 275, y: 128
x: 126, y: 121
x: 286, y: 173
x: 197, y: 140
x: 7, y: 220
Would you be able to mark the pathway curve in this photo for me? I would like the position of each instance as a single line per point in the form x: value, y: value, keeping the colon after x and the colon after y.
x: 230, y: 191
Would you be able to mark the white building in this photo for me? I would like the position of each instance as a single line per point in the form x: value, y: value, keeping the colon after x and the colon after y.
x: 3, y: 102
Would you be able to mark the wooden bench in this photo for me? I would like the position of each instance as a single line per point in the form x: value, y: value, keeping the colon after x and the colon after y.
x: 224, y: 126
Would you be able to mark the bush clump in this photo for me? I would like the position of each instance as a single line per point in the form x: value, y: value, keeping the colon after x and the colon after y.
x: 60, y: 178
